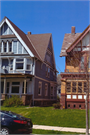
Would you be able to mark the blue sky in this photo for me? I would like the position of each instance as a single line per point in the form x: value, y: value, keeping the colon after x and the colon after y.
x: 54, y: 17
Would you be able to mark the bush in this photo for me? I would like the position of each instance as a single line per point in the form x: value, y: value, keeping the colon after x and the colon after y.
x: 57, y: 105
x: 13, y: 101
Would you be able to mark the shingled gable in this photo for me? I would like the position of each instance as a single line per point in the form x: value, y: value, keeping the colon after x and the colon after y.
x: 23, y: 37
x: 80, y: 37
x: 70, y: 41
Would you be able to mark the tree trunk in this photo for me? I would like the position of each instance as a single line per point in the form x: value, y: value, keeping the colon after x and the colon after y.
x: 87, y: 129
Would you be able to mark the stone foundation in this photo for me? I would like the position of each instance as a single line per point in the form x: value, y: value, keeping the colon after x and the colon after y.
x: 26, y: 99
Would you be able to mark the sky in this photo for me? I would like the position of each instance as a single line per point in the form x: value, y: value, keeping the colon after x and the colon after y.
x: 56, y: 17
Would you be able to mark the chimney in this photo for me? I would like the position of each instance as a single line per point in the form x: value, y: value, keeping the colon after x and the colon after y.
x: 73, y: 30
x: 29, y: 33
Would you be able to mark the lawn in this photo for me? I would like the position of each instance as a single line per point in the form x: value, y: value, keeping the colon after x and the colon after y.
x: 50, y: 116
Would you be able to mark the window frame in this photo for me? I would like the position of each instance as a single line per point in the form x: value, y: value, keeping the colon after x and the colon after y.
x: 20, y: 62
x: 46, y: 89
x: 39, y: 88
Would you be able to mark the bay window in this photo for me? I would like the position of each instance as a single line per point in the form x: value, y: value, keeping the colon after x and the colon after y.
x: 19, y: 63
x: 28, y: 64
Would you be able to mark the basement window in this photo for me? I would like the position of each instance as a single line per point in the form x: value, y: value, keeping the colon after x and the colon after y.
x: 68, y: 105
x: 79, y: 106
x: 74, y: 106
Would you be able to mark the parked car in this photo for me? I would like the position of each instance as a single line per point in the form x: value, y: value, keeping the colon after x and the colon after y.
x: 12, y: 123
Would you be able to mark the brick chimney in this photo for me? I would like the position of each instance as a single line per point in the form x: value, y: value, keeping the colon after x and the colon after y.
x: 29, y: 33
x: 73, y: 30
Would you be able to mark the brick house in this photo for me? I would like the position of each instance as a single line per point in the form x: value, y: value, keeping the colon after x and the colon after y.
x: 76, y: 50
x: 27, y: 65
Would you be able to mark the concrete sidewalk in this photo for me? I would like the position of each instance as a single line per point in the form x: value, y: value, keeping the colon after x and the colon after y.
x: 66, y: 129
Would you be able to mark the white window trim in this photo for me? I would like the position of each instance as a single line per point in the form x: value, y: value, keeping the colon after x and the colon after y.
x: 40, y: 89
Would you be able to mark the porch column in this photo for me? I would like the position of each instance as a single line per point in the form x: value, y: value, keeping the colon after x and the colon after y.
x: 25, y: 86
x: 2, y: 47
x: 4, y: 90
x: 7, y: 47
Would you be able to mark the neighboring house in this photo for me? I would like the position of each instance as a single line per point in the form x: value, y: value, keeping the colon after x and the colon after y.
x: 58, y: 85
x: 76, y: 50
x: 27, y: 65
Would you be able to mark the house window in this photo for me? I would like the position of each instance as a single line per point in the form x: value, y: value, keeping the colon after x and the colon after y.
x: 10, y: 47
x: 28, y: 64
x: 51, y: 90
x: 19, y: 63
x: 11, y: 64
x: 89, y: 62
x: 48, y: 72
x: 5, y: 47
x: 15, y: 87
x: 85, y: 86
x: 23, y: 88
x: 7, y: 87
x: 46, y: 89
x: 79, y: 87
x: 73, y: 87
x: 48, y: 57
x: 82, y: 63
x: 39, y: 88
x: 68, y: 87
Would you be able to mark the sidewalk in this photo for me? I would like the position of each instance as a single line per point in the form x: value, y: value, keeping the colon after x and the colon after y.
x: 66, y: 129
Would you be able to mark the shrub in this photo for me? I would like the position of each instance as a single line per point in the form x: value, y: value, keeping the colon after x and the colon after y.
x: 13, y: 101
x: 57, y: 105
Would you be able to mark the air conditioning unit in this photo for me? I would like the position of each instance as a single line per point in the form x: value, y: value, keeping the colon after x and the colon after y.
x: 3, y: 67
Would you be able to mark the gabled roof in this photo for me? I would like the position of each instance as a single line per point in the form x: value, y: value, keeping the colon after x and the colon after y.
x: 68, y: 40
x: 35, y: 44
x: 71, y: 40
x: 24, y: 38
x: 40, y: 42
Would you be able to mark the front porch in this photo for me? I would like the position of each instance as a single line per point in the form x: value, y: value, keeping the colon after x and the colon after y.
x: 17, y: 84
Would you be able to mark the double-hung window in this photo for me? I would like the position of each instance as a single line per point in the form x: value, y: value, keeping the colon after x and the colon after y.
x: 40, y: 88
x: 15, y: 87
x: 11, y: 64
x: 10, y: 47
x: 19, y: 63
x: 5, y: 47
x: 28, y: 64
